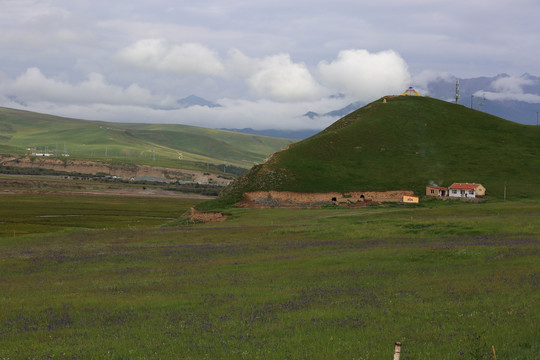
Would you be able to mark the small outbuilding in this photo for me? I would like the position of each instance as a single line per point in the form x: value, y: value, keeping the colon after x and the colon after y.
x: 435, y: 190
x: 410, y: 199
x: 466, y: 190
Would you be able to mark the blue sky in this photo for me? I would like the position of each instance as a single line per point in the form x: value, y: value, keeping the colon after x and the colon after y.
x: 266, y: 62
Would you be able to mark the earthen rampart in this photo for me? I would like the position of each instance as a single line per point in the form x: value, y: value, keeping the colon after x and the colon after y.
x: 295, y: 199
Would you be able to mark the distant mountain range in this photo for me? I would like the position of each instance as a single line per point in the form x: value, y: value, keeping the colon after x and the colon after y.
x: 193, y: 100
x: 339, y: 113
x: 512, y: 98
x: 285, y: 134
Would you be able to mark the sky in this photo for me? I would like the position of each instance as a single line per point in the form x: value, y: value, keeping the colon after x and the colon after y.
x: 266, y: 62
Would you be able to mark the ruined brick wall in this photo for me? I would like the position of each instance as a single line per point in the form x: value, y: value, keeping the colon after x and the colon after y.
x: 294, y: 199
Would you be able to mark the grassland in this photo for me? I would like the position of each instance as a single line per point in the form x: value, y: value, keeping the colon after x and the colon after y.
x: 127, y: 279
x: 150, y: 144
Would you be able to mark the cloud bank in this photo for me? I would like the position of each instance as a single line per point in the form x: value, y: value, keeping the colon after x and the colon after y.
x: 278, y: 90
x: 364, y: 75
x: 32, y: 86
x: 160, y: 55
x: 266, y: 63
x: 510, y: 88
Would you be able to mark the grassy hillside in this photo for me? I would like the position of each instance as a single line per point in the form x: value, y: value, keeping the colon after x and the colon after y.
x: 152, y: 144
x: 406, y: 143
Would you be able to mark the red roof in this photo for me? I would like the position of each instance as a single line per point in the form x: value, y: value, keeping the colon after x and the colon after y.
x: 461, y: 186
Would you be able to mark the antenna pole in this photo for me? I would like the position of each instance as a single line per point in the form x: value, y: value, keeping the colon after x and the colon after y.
x: 457, y: 91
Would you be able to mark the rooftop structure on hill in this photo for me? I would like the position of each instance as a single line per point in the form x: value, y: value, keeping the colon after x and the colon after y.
x: 410, y: 92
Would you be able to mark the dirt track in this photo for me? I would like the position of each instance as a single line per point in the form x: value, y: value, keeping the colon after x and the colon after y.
x: 124, y: 171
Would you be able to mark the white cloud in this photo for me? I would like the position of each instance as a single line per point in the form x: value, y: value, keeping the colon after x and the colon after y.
x: 366, y: 75
x: 278, y: 78
x: 33, y: 86
x: 240, y: 65
x: 510, y: 88
x: 235, y: 113
x: 511, y: 84
x: 423, y: 79
x: 95, y: 98
x: 160, y: 55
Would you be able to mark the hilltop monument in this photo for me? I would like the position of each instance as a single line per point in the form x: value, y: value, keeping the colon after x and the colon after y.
x: 410, y: 92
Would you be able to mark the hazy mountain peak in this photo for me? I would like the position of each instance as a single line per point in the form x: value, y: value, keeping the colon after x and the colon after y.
x: 194, y: 100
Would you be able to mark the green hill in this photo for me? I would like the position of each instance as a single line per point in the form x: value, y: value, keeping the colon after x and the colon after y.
x: 405, y: 143
x: 152, y: 144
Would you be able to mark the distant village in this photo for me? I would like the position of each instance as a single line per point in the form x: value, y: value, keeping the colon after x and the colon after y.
x: 457, y: 190
x: 463, y: 191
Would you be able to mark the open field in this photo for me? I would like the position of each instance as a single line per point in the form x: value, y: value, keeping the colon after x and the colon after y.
x: 126, y: 279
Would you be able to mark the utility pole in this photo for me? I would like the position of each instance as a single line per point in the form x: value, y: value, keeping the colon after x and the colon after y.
x: 472, y: 96
x: 457, y: 91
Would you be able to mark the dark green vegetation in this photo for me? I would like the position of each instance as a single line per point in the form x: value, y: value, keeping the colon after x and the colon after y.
x: 405, y: 143
x: 151, y: 144
x: 126, y: 280
x: 23, y: 214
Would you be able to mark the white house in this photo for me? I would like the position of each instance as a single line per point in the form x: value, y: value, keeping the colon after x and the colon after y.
x: 466, y: 190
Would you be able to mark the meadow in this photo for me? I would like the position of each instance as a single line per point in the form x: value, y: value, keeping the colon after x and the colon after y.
x: 125, y: 143
x: 126, y: 278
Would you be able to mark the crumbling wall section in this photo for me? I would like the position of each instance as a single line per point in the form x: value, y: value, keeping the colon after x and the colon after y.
x: 294, y: 199
x: 206, y: 216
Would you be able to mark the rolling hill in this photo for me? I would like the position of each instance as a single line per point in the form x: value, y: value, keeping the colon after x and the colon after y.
x: 150, y: 144
x: 405, y: 143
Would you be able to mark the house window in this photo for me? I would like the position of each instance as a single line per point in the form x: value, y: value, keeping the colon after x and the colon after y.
x: 454, y: 192
x: 471, y: 192
x: 432, y: 191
